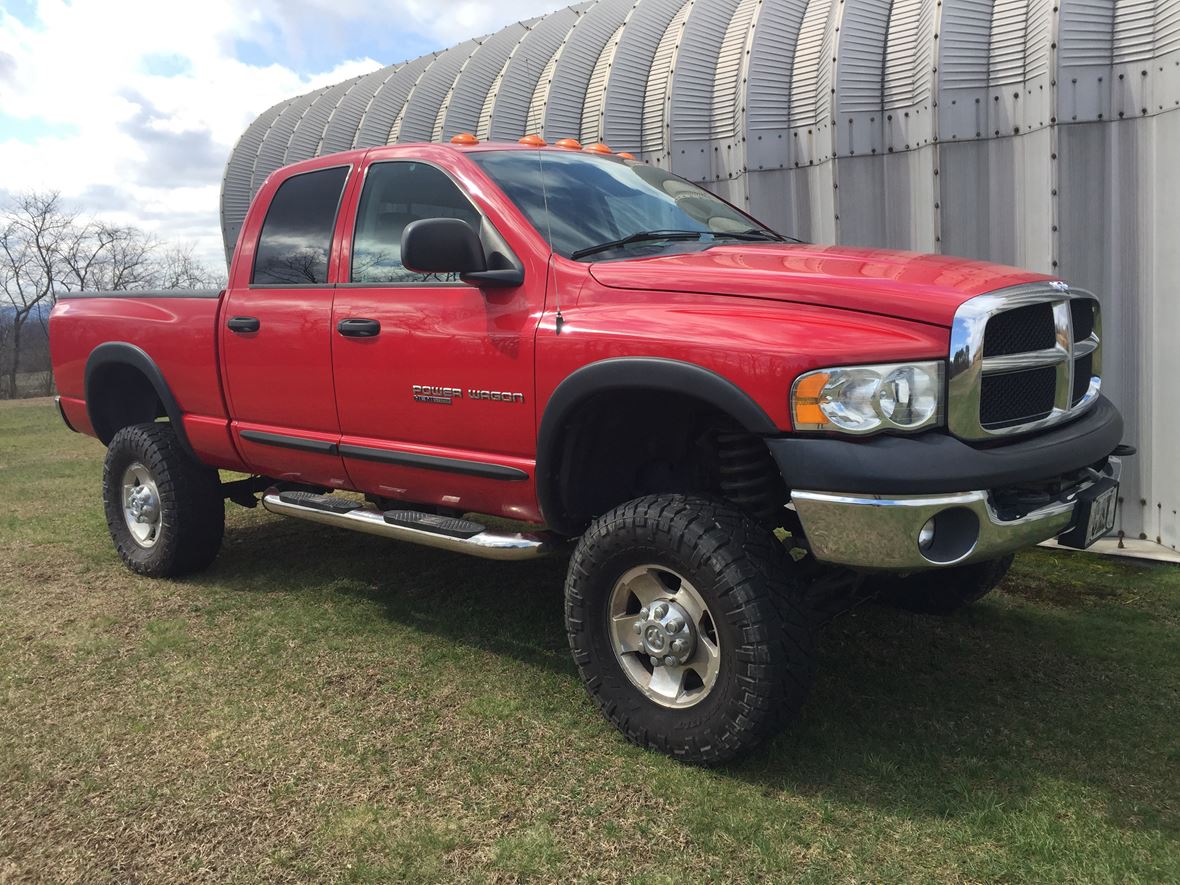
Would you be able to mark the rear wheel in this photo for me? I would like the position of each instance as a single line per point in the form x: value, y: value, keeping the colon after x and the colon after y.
x: 165, y: 511
x: 941, y: 591
x: 687, y: 626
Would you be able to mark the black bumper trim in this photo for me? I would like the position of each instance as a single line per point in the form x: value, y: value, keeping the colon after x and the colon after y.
x: 936, y: 462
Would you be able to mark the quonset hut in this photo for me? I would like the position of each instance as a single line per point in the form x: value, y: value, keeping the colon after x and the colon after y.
x: 1043, y: 133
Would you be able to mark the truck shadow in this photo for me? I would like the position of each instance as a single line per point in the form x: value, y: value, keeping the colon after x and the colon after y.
x: 920, y: 716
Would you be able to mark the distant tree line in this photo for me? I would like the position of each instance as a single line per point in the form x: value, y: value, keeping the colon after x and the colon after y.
x: 47, y: 248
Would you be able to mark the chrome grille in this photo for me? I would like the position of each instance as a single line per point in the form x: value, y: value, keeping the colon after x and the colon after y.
x: 1022, y: 359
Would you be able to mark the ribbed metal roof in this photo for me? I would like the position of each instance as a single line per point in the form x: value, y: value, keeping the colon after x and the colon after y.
x: 1035, y: 132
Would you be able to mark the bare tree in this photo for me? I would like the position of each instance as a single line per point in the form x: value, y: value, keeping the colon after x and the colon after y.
x: 30, y: 236
x: 45, y: 248
x: 102, y: 256
x: 177, y: 268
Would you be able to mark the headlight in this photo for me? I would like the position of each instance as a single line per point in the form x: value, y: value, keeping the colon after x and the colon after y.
x: 867, y: 399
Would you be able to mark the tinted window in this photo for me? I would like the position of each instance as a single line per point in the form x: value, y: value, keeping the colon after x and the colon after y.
x: 297, y: 234
x: 394, y: 195
x: 593, y: 199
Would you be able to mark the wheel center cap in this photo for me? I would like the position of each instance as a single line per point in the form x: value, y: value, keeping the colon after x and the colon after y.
x: 142, y: 504
x: 666, y: 633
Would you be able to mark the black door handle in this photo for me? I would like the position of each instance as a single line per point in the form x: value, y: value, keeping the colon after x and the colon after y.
x: 358, y: 328
x: 241, y: 325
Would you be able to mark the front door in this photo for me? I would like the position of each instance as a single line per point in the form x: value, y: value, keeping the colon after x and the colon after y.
x: 276, y: 336
x: 434, y: 377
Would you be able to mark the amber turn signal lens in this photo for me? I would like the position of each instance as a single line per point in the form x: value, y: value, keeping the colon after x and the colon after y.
x: 570, y: 143
x: 599, y: 148
x: 807, y: 391
x: 533, y: 141
x: 464, y: 138
x: 626, y: 156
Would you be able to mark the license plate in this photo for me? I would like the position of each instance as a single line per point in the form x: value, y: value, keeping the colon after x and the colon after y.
x: 1102, y: 514
x: 1094, y: 515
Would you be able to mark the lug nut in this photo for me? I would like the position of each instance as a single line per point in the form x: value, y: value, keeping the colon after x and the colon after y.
x: 660, y: 610
x: 638, y: 626
x: 675, y: 625
x: 679, y: 646
x: 670, y: 661
x: 643, y: 613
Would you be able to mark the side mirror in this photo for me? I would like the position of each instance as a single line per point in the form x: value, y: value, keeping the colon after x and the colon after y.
x: 442, y: 245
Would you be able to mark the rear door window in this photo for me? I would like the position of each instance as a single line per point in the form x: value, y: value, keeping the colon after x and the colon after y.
x: 297, y: 234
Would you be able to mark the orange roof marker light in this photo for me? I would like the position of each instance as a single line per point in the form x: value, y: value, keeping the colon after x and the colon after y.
x: 569, y: 143
x: 534, y: 141
x: 626, y: 156
x: 598, y: 148
x: 464, y: 138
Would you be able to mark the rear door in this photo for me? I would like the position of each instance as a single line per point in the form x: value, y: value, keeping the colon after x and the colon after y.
x: 276, y: 335
x: 434, y: 377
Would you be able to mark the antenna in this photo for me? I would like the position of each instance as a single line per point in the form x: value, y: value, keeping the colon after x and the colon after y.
x: 559, y: 319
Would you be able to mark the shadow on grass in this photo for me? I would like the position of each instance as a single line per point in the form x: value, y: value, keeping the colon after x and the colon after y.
x: 926, y: 717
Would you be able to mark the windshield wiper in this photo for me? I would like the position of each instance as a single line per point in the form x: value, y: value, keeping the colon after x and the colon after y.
x: 754, y: 233
x: 640, y: 237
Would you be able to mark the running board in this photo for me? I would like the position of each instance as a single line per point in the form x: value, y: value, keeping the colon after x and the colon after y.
x: 427, y: 530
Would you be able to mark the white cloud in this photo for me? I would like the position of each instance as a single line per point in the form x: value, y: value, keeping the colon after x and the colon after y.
x: 87, y: 115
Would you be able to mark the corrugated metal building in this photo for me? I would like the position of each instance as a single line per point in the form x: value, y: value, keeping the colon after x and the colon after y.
x: 1042, y: 133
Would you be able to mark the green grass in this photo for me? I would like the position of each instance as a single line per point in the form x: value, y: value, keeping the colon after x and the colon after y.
x: 329, y: 706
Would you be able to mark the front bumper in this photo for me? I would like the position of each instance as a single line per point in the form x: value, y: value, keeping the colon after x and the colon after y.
x: 863, y: 503
x: 881, y: 533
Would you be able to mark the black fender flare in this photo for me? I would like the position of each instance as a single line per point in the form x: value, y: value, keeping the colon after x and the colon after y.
x: 631, y: 373
x: 124, y: 353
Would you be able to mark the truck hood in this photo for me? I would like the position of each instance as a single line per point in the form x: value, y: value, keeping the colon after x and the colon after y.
x: 907, y: 285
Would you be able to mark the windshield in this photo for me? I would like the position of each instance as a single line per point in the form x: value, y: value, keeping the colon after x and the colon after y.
x: 597, y: 201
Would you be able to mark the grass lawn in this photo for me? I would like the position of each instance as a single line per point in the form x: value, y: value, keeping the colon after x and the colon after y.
x: 329, y: 706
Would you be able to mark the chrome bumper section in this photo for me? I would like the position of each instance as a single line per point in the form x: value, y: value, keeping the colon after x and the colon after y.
x: 872, y: 532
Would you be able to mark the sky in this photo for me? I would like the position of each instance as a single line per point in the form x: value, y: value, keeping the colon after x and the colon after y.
x: 130, y: 108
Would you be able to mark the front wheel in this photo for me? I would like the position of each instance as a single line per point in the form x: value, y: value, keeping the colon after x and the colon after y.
x: 687, y: 626
x: 165, y: 511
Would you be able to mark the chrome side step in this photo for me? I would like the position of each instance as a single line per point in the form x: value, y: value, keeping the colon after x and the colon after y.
x: 360, y: 518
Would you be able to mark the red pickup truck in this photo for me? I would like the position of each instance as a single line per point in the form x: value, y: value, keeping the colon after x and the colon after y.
x: 726, y: 427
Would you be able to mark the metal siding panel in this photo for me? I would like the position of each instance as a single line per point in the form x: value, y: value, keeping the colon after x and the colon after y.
x: 769, y: 83
x: 655, y: 94
x: 691, y: 95
x: 907, y: 53
x: 1084, y: 56
x: 1161, y: 189
x: 341, y: 131
x: 1134, y: 31
x: 387, y: 103
x: 630, y: 70
x: 809, y: 64
x: 506, y: 107
x: 1099, y: 250
x: 461, y: 110
x: 861, y: 56
x: 309, y: 132
x: 575, y: 63
x: 1018, y: 74
x: 592, y: 104
x: 910, y: 76
x: 273, y: 150
x: 415, y: 121
x: 963, y: 47
x: 237, y: 188
x: 728, y: 103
